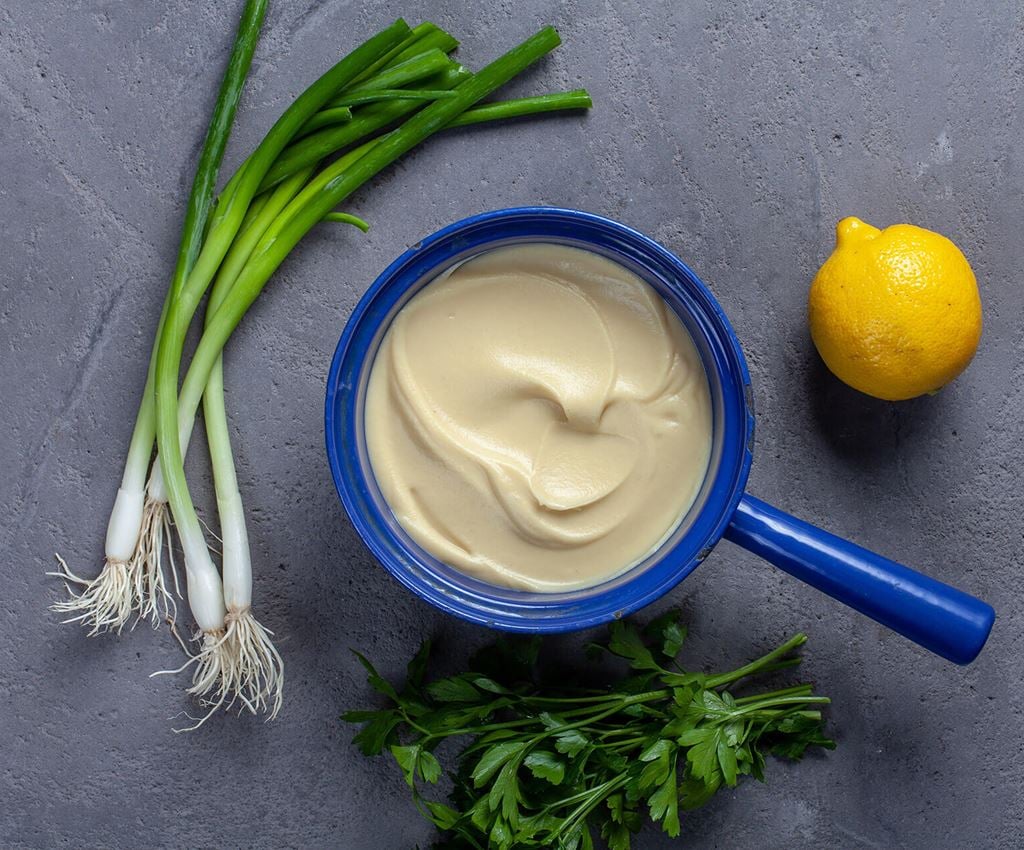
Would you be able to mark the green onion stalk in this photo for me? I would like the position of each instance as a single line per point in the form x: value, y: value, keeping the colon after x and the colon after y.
x: 240, y: 191
x: 215, y: 679
x: 241, y: 665
x: 259, y: 669
x: 256, y: 678
x: 129, y: 581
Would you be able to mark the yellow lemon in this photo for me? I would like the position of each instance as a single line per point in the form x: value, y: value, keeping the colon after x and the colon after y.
x: 894, y: 313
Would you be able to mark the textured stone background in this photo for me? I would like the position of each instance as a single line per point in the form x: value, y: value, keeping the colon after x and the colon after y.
x: 735, y: 133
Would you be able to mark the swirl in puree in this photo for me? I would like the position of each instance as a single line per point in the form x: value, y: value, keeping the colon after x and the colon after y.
x: 538, y: 417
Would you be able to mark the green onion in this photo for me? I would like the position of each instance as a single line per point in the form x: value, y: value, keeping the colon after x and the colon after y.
x: 246, y: 182
x: 499, y: 110
x: 392, y: 94
x: 216, y: 669
x: 240, y: 190
x: 337, y: 115
x: 312, y: 149
x: 424, y: 64
x: 326, y: 118
x: 434, y: 39
x: 107, y: 601
x: 279, y: 208
x: 258, y: 667
x: 316, y: 146
x: 347, y: 218
x: 423, y: 37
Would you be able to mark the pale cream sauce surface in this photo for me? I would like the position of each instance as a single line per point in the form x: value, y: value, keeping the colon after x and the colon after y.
x: 538, y: 418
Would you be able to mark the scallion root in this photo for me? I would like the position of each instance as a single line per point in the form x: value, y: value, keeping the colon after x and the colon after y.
x: 259, y: 667
x: 107, y: 602
x: 155, y: 600
x: 214, y: 677
x: 238, y: 665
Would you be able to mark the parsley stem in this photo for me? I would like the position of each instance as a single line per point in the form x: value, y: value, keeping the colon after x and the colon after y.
x: 620, y: 703
x: 615, y: 730
x: 582, y: 795
x: 813, y: 715
x: 415, y: 725
x: 629, y: 742
x: 775, y: 715
x: 624, y: 702
x: 597, y: 796
x: 572, y: 700
x: 798, y: 700
x: 479, y: 730
x: 784, y: 664
x: 796, y: 690
x: 756, y: 666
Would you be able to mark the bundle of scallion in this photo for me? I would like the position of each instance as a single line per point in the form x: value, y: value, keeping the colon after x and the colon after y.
x: 389, y: 94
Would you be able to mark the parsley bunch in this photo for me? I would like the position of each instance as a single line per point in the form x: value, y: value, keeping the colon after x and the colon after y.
x: 548, y: 766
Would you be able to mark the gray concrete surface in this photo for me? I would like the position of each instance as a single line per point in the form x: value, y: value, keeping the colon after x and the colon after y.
x: 735, y: 133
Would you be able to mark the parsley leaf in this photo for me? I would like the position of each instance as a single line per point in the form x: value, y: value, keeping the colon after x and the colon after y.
x: 455, y: 689
x: 493, y: 760
x: 545, y: 765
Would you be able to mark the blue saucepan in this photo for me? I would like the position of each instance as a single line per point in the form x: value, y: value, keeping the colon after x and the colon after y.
x: 939, y: 617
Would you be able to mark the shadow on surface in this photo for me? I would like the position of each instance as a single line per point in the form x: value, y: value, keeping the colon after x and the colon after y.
x: 859, y: 429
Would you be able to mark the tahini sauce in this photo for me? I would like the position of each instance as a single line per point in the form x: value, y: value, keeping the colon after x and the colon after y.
x: 538, y: 418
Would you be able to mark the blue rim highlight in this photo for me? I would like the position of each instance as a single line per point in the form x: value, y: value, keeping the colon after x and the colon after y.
x: 499, y: 607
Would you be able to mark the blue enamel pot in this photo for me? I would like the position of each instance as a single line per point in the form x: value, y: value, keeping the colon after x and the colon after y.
x: 941, y: 618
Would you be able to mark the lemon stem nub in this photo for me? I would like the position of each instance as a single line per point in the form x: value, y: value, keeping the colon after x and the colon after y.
x: 851, y: 228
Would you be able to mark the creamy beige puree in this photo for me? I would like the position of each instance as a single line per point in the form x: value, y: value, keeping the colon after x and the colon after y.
x: 538, y: 418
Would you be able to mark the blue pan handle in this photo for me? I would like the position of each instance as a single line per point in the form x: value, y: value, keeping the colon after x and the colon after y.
x: 940, y: 618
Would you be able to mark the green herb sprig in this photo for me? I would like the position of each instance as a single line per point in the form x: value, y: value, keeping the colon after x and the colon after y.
x: 558, y: 766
